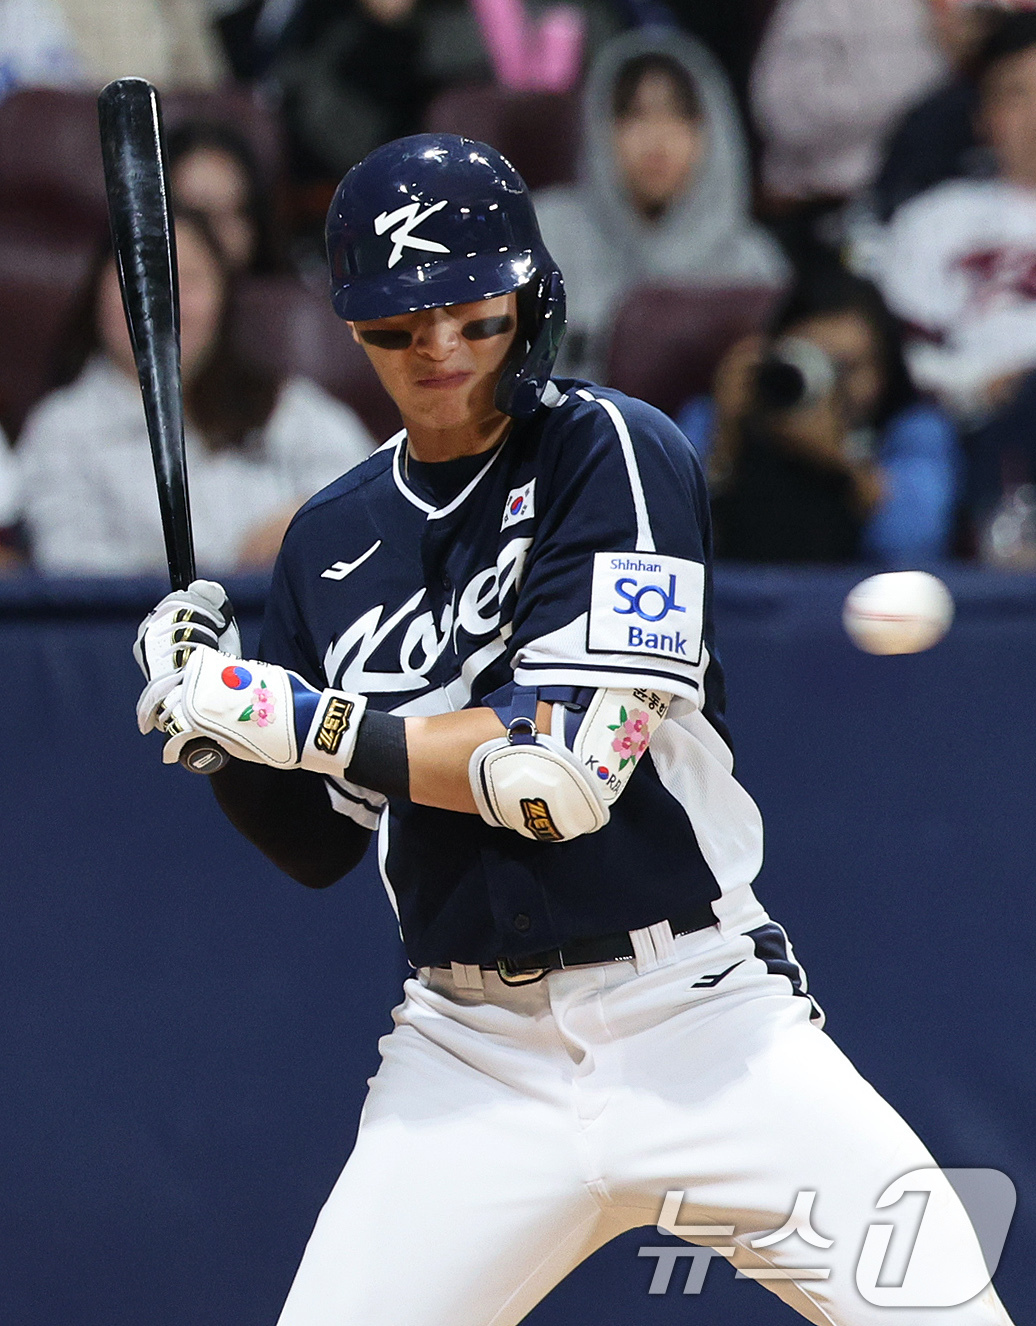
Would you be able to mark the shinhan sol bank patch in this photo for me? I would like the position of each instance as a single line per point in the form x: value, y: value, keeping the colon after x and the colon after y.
x: 647, y: 603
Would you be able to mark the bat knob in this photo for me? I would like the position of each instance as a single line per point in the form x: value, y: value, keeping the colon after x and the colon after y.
x: 203, y: 756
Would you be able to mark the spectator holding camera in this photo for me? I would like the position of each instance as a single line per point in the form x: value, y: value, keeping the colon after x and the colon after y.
x: 817, y: 445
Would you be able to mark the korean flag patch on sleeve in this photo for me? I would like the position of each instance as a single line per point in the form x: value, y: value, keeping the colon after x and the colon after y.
x: 647, y: 603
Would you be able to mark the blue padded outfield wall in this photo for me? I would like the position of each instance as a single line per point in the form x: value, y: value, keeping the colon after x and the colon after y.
x: 186, y: 1034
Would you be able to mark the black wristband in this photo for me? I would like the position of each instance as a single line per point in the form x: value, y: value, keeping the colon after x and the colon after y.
x: 379, y: 758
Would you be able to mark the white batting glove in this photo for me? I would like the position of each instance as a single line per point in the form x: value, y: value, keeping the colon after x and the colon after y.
x: 201, y: 614
x: 263, y: 713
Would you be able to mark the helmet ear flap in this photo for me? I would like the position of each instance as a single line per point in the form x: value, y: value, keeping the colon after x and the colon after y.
x: 541, y: 325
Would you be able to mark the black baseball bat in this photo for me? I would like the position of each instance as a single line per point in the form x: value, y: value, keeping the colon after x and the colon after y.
x: 137, y: 184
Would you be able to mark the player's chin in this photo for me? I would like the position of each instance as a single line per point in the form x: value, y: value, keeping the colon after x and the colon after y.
x: 448, y: 407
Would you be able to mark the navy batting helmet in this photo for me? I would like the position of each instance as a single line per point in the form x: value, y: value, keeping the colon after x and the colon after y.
x: 433, y: 220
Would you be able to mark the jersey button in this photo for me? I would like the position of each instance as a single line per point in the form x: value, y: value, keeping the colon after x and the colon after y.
x: 522, y: 922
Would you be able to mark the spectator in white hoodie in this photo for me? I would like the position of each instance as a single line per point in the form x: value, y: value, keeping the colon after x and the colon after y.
x: 663, y: 190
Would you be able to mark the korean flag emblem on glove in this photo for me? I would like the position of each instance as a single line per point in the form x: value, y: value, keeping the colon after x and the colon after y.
x: 244, y: 701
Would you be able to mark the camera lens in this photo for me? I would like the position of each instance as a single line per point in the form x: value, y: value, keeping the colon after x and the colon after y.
x: 796, y: 373
x: 780, y: 385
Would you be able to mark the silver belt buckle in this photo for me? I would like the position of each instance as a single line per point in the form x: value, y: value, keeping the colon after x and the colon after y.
x: 519, y: 977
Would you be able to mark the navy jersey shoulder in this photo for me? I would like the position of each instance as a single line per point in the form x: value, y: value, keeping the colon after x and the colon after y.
x: 579, y: 402
x: 576, y: 428
x: 374, y: 467
x: 587, y: 421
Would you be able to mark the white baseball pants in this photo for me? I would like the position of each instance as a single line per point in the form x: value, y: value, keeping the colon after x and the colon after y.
x: 513, y: 1130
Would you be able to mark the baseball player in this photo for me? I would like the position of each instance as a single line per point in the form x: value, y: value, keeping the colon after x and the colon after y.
x: 492, y: 643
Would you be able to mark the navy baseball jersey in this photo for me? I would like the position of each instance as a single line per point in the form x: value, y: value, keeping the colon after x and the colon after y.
x: 575, y: 555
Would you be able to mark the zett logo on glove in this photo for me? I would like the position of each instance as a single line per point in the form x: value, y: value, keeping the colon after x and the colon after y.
x: 334, y: 725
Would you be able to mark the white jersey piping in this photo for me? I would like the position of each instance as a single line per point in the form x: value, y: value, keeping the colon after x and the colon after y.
x: 435, y: 513
x: 645, y: 538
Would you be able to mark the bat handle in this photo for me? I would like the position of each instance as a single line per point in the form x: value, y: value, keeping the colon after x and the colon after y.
x: 202, y: 756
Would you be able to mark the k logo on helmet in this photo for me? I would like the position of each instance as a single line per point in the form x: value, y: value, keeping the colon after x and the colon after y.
x: 403, y: 237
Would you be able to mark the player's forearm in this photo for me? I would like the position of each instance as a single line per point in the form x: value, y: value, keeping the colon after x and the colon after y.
x: 287, y: 815
x: 439, y: 749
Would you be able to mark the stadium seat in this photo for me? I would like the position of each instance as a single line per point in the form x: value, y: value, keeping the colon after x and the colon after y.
x: 538, y: 132
x: 290, y: 329
x: 41, y: 271
x: 667, y: 341
x: 50, y: 155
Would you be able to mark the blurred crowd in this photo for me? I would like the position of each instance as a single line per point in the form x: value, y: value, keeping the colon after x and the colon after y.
x: 806, y: 229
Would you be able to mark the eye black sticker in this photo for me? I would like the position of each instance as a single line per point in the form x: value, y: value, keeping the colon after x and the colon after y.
x: 481, y: 329
x: 387, y: 339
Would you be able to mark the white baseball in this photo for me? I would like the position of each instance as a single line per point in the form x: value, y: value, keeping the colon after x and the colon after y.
x: 898, y: 612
